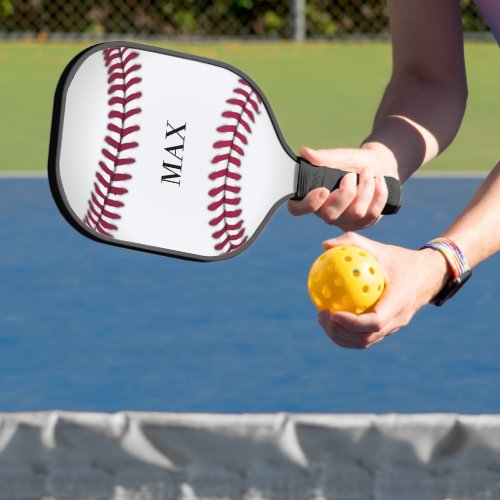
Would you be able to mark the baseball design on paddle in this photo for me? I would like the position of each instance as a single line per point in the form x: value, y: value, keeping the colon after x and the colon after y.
x: 104, y: 204
x: 170, y: 153
x: 226, y: 175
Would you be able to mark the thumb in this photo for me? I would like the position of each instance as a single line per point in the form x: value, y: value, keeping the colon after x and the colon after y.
x: 310, y: 155
x: 349, y: 238
x: 350, y: 159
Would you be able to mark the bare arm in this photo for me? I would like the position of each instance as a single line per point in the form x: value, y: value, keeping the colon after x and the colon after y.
x: 418, y: 117
x: 424, y: 102
x: 477, y: 230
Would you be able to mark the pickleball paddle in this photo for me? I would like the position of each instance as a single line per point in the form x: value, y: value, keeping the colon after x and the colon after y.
x: 171, y: 153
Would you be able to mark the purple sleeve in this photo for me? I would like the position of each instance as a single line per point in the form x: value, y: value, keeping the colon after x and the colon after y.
x: 490, y: 9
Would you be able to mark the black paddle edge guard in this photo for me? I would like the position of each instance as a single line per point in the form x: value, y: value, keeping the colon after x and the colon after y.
x: 54, y: 176
x: 312, y: 177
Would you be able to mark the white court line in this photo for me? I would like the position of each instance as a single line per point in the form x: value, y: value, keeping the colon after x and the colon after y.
x: 454, y: 174
x: 22, y: 175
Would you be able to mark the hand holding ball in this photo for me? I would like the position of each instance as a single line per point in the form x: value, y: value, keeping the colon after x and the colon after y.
x: 346, y: 278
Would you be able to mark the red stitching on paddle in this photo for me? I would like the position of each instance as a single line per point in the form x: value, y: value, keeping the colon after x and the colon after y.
x: 102, y: 204
x: 227, y: 214
x: 245, y: 105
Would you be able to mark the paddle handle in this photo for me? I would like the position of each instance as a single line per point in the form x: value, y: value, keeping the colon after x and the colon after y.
x: 312, y: 177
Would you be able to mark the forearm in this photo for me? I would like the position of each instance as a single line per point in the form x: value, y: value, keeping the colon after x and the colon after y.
x: 477, y: 230
x: 416, y: 120
x: 424, y: 103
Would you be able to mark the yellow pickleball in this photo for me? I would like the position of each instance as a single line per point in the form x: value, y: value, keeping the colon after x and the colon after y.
x: 346, y: 278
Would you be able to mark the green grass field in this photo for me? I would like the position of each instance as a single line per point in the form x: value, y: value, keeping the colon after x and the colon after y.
x: 323, y: 94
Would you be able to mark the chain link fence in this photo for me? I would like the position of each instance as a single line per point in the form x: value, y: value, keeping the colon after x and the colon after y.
x: 282, y: 19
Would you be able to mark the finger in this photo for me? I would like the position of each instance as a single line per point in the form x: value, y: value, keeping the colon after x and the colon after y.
x: 384, y: 319
x: 342, y: 340
x: 362, y: 340
x: 374, y: 342
x: 366, y: 209
x: 338, y: 334
x: 344, y: 344
x: 338, y: 201
x: 353, y: 341
x: 380, y: 196
x: 365, y: 191
x: 335, y: 328
x: 311, y: 203
x: 311, y: 155
x: 348, y: 238
x: 362, y: 324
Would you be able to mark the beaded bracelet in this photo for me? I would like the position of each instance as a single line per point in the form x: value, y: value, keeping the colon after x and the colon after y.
x: 452, y: 254
x: 459, y: 267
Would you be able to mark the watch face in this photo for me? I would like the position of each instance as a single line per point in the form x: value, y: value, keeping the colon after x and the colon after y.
x: 451, y: 288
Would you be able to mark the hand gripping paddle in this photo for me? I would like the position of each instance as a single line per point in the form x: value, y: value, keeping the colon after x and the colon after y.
x: 173, y: 154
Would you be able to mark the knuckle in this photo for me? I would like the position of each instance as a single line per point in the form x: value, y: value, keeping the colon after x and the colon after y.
x: 330, y: 220
x: 373, y: 338
x: 378, y: 325
x: 369, y: 221
x: 358, y: 211
x: 330, y: 215
x: 349, y: 190
x: 366, y: 178
x: 373, y: 213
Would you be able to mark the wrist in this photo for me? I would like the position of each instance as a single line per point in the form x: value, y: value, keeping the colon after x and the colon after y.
x: 387, y: 160
x: 437, y: 273
x: 458, y: 268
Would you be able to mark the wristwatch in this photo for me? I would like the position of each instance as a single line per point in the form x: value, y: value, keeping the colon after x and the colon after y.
x: 460, y: 270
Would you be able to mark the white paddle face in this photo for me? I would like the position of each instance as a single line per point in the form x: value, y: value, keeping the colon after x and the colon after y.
x: 163, y: 152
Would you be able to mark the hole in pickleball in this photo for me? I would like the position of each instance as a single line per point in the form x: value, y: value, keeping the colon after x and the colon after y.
x: 366, y: 289
x: 362, y: 254
x: 317, y: 300
x: 356, y: 273
x: 379, y: 287
x: 339, y: 281
x: 327, y: 293
x: 346, y: 299
x: 348, y: 258
x: 372, y: 270
x: 317, y: 276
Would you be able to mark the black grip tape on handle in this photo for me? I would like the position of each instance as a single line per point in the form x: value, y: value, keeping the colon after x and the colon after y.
x: 311, y: 177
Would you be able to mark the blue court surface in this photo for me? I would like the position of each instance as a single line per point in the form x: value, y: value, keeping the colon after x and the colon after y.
x: 91, y: 327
